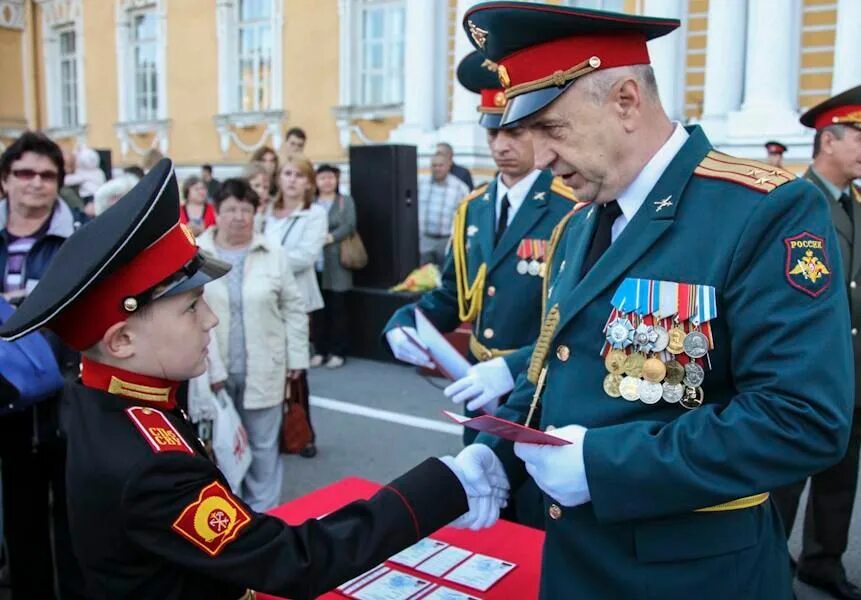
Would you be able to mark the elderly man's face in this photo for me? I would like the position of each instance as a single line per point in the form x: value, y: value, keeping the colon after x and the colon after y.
x: 579, y: 139
x: 440, y: 168
x: 846, y: 152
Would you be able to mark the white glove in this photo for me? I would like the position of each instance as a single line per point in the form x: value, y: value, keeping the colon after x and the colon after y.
x: 485, y: 483
x: 482, y: 386
x: 404, y: 346
x: 559, y: 470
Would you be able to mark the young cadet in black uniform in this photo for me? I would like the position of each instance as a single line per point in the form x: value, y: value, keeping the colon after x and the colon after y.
x: 150, y: 515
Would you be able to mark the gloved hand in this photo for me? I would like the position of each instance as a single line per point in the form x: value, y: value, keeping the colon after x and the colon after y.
x: 404, y: 347
x: 559, y: 470
x: 486, y: 485
x: 482, y: 386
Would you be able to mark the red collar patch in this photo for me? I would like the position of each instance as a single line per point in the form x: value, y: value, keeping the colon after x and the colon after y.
x: 152, y: 391
x: 807, y: 265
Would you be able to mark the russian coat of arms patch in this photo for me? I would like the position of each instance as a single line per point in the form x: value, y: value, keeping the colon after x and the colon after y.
x: 807, y: 265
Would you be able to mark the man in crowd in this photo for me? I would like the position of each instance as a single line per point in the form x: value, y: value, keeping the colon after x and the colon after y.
x: 774, y: 153
x: 439, y: 195
x: 151, y: 515
x: 670, y: 355
x: 212, y: 184
x: 457, y: 170
x: 492, y: 276
x: 294, y: 142
x: 836, y: 162
x: 34, y: 223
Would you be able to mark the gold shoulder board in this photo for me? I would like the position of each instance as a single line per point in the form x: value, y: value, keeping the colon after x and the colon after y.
x: 560, y: 189
x: 749, y: 173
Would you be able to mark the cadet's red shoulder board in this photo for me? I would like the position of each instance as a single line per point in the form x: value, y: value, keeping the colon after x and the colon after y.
x: 213, y: 520
x: 157, y: 430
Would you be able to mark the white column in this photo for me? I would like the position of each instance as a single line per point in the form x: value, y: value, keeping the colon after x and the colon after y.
x: 667, y: 55
x: 464, y: 102
x: 419, y: 48
x: 724, y: 81
x: 847, y: 62
x: 223, y: 32
x: 770, y: 85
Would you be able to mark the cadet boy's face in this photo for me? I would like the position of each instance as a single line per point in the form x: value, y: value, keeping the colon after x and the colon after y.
x: 580, y: 140
x: 171, y: 338
x: 512, y: 150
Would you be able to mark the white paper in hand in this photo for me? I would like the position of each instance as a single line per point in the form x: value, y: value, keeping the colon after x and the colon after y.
x: 451, y: 362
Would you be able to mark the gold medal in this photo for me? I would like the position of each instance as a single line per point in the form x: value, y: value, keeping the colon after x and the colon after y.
x: 677, y: 340
x: 611, y: 385
x: 675, y: 372
x: 654, y: 370
x: 615, y: 361
x: 634, y: 364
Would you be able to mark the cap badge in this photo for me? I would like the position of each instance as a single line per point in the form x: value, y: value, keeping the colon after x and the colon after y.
x: 499, y: 99
x: 490, y: 65
x: 478, y: 34
x: 504, y: 79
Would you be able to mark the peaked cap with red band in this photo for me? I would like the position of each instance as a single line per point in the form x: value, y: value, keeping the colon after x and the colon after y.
x: 134, y: 252
x: 479, y: 74
x: 842, y: 109
x: 773, y: 147
x: 542, y: 49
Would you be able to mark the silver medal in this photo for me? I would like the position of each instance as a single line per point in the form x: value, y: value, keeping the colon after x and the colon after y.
x: 644, y: 336
x: 522, y: 267
x: 650, y: 393
x: 694, y: 375
x: 696, y: 344
x: 673, y: 392
x: 620, y: 333
x: 662, y: 339
x: 630, y: 388
x: 534, y: 268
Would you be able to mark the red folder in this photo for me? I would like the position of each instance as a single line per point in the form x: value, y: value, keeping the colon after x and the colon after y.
x: 507, y: 430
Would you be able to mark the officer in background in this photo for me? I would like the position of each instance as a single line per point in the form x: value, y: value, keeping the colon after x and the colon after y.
x: 774, y: 153
x: 150, y: 515
x: 836, y: 162
x: 694, y: 351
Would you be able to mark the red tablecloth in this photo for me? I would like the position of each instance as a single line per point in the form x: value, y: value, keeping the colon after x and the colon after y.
x: 509, y: 541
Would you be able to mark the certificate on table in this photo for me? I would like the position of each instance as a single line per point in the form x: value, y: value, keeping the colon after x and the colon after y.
x: 444, y: 593
x: 394, y: 585
x: 451, y: 362
x: 418, y: 552
x: 441, y: 563
x: 480, y: 572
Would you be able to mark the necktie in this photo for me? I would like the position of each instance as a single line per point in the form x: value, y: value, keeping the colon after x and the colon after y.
x: 502, y: 225
x: 846, y: 203
x: 603, y: 234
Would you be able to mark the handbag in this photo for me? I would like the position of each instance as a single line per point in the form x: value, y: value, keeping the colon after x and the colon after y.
x: 230, y: 441
x: 295, y: 429
x: 353, y: 256
x: 28, y: 369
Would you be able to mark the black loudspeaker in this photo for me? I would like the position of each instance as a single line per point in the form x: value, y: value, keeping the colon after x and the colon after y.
x: 105, y: 163
x: 369, y: 309
x: 383, y: 183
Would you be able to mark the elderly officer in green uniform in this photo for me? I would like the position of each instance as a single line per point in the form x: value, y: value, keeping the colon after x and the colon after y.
x: 492, y: 276
x: 695, y: 350
x: 150, y: 515
x: 836, y: 162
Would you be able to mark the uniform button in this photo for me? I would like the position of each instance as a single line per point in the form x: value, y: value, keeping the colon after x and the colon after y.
x: 488, y: 333
x: 563, y: 353
x: 491, y: 291
x: 854, y: 331
x: 555, y: 512
x: 853, y: 285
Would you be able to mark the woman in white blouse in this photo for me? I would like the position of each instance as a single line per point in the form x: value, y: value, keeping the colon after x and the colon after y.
x: 300, y: 227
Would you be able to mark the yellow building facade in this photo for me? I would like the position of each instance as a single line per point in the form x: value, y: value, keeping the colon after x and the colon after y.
x: 209, y: 81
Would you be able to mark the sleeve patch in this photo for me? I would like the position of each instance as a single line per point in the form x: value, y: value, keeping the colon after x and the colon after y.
x: 157, y: 430
x: 213, y: 520
x: 807, y: 266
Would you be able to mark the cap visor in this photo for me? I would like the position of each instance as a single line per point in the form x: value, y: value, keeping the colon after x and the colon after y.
x: 526, y: 105
x: 210, y: 269
x: 490, y: 120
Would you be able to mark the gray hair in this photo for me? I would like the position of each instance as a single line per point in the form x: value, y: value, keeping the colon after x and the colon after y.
x: 119, y: 186
x: 599, y: 84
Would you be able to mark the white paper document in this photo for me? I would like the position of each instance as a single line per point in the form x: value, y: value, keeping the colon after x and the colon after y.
x: 357, y: 582
x: 480, y: 572
x: 421, y: 550
x: 444, y: 593
x: 394, y: 585
x: 441, y: 563
x: 451, y: 362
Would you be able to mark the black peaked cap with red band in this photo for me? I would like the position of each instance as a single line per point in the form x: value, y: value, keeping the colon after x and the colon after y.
x: 842, y: 109
x: 479, y: 74
x: 775, y: 147
x: 542, y: 49
x: 114, y: 265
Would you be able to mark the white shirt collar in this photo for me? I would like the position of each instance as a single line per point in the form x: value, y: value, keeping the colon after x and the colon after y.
x: 516, y: 193
x: 635, y: 194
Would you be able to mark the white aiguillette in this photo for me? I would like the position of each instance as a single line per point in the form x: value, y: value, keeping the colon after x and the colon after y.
x: 507, y: 430
x: 451, y: 362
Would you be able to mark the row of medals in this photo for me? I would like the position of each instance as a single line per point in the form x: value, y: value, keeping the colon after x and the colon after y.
x: 643, y: 376
x: 531, y: 267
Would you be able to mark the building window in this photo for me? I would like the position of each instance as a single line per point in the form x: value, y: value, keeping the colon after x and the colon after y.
x: 254, y: 33
x: 382, y: 53
x: 67, y: 58
x: 144, y: 49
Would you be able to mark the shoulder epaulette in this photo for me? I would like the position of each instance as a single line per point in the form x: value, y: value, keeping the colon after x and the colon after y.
x: 157, y: 430
x: 558, y: 187
x: 477, y: 192
x: 749, y: 173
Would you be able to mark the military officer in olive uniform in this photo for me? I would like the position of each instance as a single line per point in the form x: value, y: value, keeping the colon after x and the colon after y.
x: 492, y: 276
x: 150, y: 515
x: 694, y: 351
x: 836, y: 162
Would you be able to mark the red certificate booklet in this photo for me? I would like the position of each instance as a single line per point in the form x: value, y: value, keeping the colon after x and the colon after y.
x: 507, y: 430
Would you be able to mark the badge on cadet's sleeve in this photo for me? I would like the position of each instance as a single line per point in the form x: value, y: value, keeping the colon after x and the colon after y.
x: 807, y: 266
x: 213, y: 520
